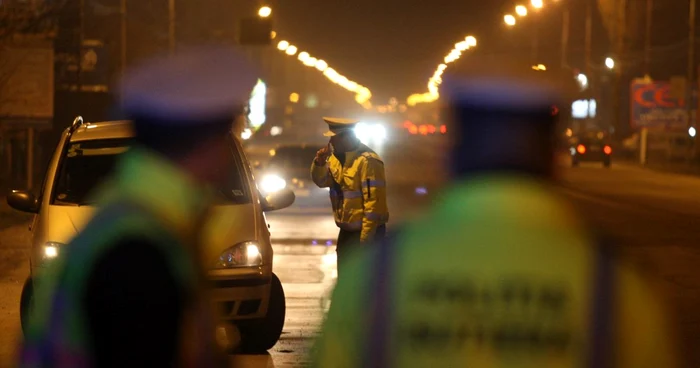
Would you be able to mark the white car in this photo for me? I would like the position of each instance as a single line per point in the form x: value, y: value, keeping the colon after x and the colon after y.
x: 238, y: 253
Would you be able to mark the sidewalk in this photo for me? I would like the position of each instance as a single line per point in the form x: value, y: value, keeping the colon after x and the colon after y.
x: 10, y: 217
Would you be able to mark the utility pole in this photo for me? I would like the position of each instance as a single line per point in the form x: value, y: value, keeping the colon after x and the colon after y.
x: 123, y: 35
x: 535, y: 44
x: 619, y: 37
x: 691, y: 61
x: 589, y: 39
x: 647, y: 38
x: 565, y: 38
x: 81, y: 40
x: 171, y: 25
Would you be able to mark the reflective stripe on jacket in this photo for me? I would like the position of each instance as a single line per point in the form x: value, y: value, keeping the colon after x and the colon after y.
x: 357, y: 190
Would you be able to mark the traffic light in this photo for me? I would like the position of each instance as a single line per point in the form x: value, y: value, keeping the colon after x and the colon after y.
x: 255, y: 31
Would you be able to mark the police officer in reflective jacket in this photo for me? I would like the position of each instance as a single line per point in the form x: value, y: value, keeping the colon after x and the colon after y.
x: 501, y: 272
x: 130, y: 290
x: 355, y: 177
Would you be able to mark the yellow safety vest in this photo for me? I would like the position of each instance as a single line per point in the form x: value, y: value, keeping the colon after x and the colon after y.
x: 500, y: 274
x: 357, y: 190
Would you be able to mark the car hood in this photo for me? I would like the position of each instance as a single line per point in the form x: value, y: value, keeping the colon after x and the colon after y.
x: 227, y: 226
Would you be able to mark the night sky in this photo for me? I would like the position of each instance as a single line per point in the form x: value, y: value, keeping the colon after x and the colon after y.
x: 393, y: 46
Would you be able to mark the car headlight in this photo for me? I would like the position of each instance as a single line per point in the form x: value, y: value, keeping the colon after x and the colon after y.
x: 272, y: 183
x: 370, y: 132
x: 379, y: 132
x: 244, y: 254
x: 50, y: 251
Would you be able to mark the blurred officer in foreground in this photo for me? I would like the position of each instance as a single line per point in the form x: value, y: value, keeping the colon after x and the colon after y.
x: 129, y: 290
x: 355, y: 175
x: 501, y: 272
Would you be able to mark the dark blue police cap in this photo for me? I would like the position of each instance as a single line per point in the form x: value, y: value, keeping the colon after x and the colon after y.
x: 195, y: 86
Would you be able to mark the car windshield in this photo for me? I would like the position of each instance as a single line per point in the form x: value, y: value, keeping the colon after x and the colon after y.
x: 88, y: 163
x: 294, y: 157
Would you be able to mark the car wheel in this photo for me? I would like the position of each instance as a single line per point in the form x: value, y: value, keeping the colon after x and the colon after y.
x: 607, y: 163
x: 574, y: 163
x: 260, y: 335
x: 25, y: 304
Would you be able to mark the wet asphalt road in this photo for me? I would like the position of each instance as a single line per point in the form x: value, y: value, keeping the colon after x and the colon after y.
x: 655, y: 217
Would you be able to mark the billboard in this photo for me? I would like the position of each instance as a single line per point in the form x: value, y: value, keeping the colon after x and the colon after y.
x: 654, y: 106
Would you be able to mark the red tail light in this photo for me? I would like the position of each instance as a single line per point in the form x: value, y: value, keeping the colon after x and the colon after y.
x: 423, y: 129
x: 581, y: 149
x: 431, y: 129
x: 607, y: 150
x: 443, y: 129
x: 413, y: 129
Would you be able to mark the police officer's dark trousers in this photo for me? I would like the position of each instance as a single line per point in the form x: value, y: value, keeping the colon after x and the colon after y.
x: 349, y: 240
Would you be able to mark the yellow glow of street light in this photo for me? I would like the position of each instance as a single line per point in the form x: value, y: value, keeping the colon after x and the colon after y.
x: 610, y: 63
x: 282, y: 45
x: 265, y: 11
x: 541, y: 67
x: 471, y: 41
x: 310, y: 61
x: 521, y: 10
x: 291, y: 50
x: 273, y: 35
x: 303, y: 56
x: 321, y: 65
x: 294, y: 97
x: 538, y: 4
x: 509, y: 19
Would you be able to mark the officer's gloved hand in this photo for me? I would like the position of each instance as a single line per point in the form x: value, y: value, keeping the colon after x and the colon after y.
x: 322, y: 155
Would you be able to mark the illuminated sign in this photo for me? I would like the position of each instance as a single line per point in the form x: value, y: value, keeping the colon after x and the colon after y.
x: 256, y: 116
x: 583, y: 109
x: 652, y: 105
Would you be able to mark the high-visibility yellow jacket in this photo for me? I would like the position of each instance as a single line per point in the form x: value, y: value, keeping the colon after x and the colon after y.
x: 357, y: 190
x: 500, y: 273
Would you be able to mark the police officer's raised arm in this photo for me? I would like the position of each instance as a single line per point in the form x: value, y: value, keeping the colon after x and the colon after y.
x: 375, y: 208
x: 319, y: 168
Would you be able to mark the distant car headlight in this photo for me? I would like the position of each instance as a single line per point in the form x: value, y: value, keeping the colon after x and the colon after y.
x: 367, y: 133
x: 50, y: 251
x: 379, y: 132
x: 272, y: 183
x: 244, y: 254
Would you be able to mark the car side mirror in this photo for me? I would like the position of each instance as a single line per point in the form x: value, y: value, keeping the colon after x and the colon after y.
x: 278, y: 200
x: 23, y: 200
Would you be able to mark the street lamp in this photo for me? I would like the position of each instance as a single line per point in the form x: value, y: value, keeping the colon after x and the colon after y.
x: 291, y: 50
x: 582, y: 80
x: 264, y: 12
x: 610, y: 63
x: 509, y: 19
x: 282, y: 45
x: 521, y: 10
x: 691, y: 132
x: 471, y: 41
x: 538, y: 4
x: 321, y: 65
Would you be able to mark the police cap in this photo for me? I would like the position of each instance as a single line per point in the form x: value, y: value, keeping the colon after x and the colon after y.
x: 195, y: 86
x: 339, y: 125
